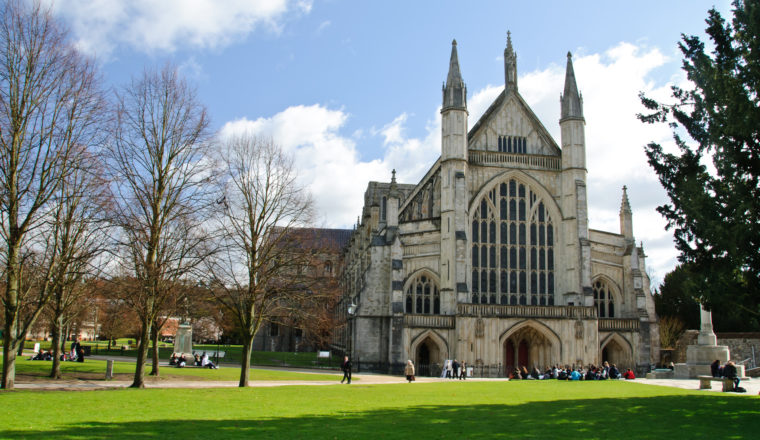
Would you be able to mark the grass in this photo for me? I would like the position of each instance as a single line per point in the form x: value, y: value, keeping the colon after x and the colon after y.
x: 91, y: 369
x: 470, y: 410
x: 232, y: 353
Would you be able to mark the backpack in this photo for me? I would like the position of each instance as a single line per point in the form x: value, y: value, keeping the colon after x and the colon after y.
x: 740, y: 390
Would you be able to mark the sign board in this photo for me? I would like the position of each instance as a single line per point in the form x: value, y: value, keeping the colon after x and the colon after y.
x: 323, y: 354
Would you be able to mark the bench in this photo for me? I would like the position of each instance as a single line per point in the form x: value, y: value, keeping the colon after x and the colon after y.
x: 705, y: 382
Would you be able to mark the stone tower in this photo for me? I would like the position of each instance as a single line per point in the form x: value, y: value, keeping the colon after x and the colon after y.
x: 574, y: 204
x: 454, y: 214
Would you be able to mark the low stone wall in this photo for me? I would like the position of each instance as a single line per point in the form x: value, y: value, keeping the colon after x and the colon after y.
x: 740, y: 345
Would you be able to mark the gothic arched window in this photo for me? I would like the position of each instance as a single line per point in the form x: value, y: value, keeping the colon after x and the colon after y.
x: 512, y: 247
x: 603, y: 300
x: 424, y: 295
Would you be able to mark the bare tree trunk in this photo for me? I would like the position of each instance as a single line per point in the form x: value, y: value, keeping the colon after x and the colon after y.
x: 55, y: 372
x: 142, y: 353
x: 22, y: 340
x: 154, y: 337
x: 245, y: 365
x: 10, y: 332
x: 9, y: 355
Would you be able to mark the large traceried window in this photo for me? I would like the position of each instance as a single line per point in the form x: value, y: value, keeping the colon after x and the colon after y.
x: 422, y: 296
x: 603, y: 299
x: 512, y: 248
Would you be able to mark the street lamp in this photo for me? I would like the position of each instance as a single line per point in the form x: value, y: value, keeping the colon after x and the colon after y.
x: 350, y: 334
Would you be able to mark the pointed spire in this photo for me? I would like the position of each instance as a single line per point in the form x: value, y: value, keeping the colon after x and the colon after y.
x: 572, y: 102
x: 394, y: 186
x: 626, y: 217
x: 454, y: 91
x: 510, y: 66
x: 625, y: 206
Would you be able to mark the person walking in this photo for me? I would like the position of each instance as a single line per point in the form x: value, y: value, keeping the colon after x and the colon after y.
x: 463, y: 373
x: 409, y: 371
x: 346, y: 367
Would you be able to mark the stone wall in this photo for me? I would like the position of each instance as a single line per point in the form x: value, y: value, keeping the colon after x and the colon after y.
x: 740, y: 345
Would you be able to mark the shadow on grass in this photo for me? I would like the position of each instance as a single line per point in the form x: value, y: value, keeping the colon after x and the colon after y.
x: 651, y: 417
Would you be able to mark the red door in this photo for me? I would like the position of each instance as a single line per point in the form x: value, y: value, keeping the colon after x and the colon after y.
x: 509, y: 365
x: 522, y: 354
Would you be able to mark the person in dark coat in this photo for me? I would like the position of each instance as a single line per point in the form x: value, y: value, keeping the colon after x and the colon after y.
x: 346, y: 367
x: 715, y: 368
x: 80, y: 352
x: 729, y: 371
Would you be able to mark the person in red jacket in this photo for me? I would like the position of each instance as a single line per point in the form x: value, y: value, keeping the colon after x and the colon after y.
x: 629, y: 374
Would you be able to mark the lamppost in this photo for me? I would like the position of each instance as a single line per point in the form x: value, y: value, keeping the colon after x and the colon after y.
x: 350, y: 336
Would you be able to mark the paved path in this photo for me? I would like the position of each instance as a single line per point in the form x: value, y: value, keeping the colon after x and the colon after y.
x: 752, y: 386
x: 363, y: 379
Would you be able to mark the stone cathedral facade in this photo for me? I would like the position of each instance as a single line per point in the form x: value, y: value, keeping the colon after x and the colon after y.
x: 489, y: 258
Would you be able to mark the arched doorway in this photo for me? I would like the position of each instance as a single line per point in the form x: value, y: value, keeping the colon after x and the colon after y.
x: 427, y: 356
x: 529, y: 347
x: 617, y: 351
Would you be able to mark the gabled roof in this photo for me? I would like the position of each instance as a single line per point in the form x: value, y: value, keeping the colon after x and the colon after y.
x: 497, y: 103
x: 431, y: 172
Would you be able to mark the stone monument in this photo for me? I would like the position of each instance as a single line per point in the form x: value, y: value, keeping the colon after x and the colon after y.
x: 183, y: 340
x: 705, y: 352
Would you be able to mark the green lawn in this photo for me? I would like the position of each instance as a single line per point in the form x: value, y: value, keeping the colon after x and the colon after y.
x: 458, y: 410
x: 95, y: 369
x: 232, y: 353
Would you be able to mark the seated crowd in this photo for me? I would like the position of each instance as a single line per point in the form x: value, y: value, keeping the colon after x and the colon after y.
x: 178, y: 360
x: 592, y: 372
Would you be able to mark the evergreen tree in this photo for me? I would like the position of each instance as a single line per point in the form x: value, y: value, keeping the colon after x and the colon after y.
x: 714, y: 212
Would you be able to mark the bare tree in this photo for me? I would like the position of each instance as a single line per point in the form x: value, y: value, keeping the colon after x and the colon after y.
x: 79, y: 226
x: 49, y: 104
x: 671, y: 330
x: 254, y: 276
x: 161, y: 179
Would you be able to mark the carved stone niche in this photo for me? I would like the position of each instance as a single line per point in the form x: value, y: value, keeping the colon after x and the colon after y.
x: 579, y: 329
x: 480, y: 328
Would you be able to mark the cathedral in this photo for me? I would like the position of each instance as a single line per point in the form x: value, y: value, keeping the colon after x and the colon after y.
x: 489, y: 257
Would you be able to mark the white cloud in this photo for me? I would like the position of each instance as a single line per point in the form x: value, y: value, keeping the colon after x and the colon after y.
x: 148, y: 25
x: 322, y: 26
x: 610, y: 82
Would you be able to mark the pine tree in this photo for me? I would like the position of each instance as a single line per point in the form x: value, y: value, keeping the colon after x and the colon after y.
x: 714, y: 212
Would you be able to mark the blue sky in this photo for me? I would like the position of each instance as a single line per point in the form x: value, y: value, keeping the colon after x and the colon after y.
x: 352, y: 88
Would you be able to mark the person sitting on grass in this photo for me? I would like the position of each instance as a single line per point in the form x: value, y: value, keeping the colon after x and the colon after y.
x: 181, y: 363
x: 524, y: 373
x: 173, y: 359
x: 198, y: 359
x: 206, y: 363
x: 628, y: 375
x: 614, y: 372
x: 561, y: 374
x: 576, y: 375
x: 591, y: 373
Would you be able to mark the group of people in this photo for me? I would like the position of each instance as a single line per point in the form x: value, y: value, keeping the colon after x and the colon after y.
x: 179, y: 361
x: 454, y: 370
x: 43, y: 355
x: 592, y: 372
x: 728, y: 371
x: 76, y: 353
